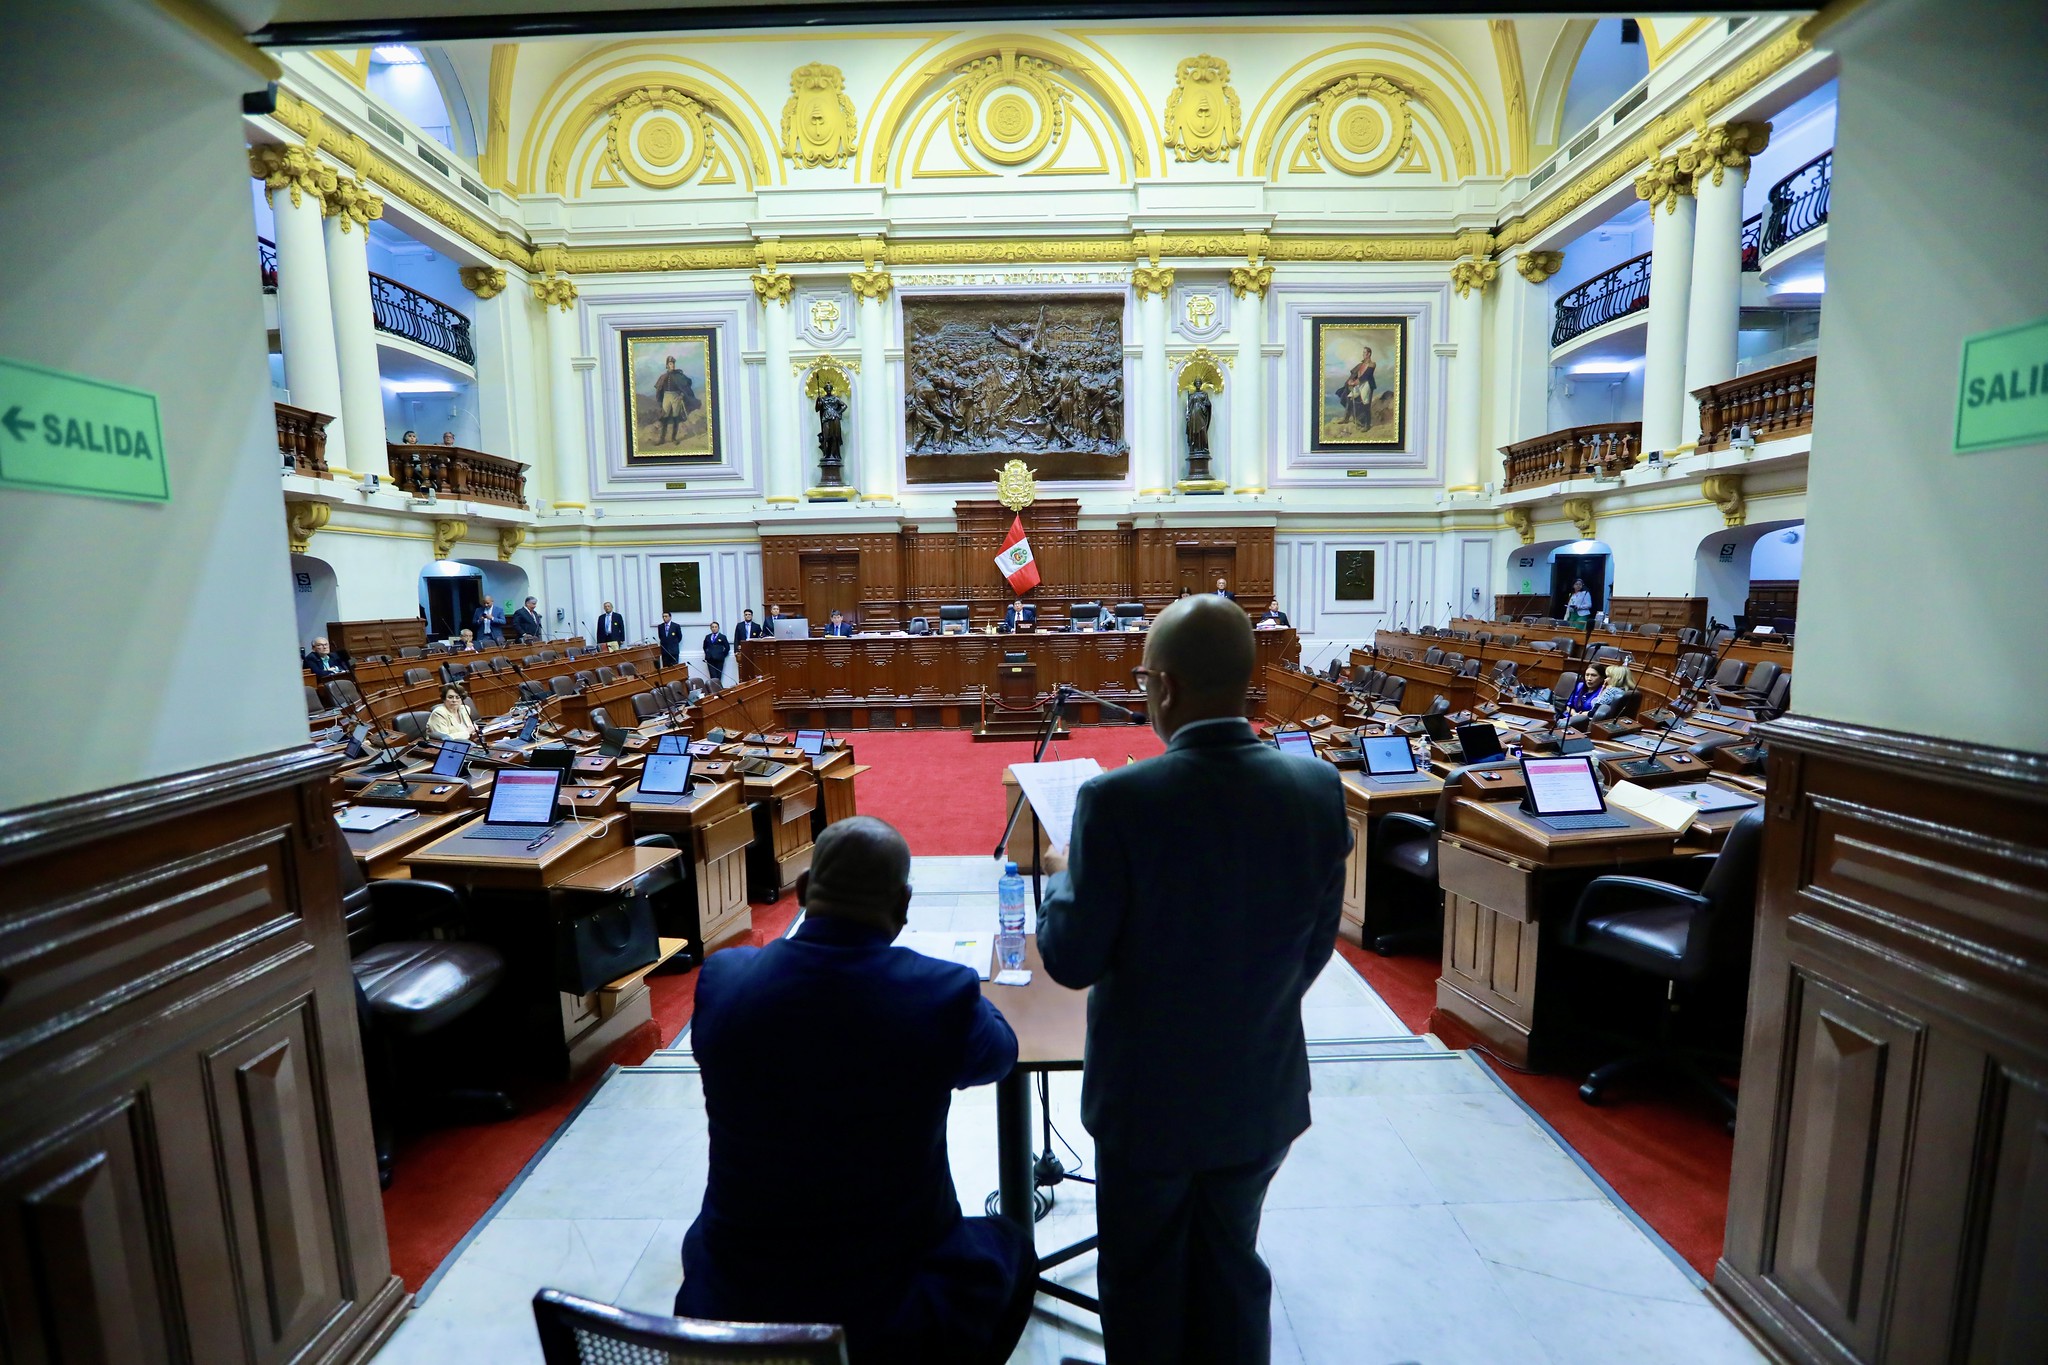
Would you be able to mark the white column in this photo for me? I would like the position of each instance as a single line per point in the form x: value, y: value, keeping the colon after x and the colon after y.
x: 1153, y: 446
x: 305, y: 308
x: 1246, y: 472
x: 872, y: 409
x: 1462, y: 466
x: 349, y: 210
x: 1669, y: 191
x: 1519, y: 366
x: 784, y: 458
x: 569, y: 450
x: 1719, y: 163
x: 506, y: 383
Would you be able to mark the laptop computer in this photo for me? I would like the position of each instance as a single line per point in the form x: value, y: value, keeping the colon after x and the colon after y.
x: 1437, y: 726
x: 1389, y: 758
x: 614, y: 741
x: 1563, y: 793
x: 812, y: 742
x: 453, y: 758
x: 665, y: 778
x: 1295, y: 742
x: 522, y: 805
x: 1479, y: 742
x: 673, y: 744
x: 552, y: 756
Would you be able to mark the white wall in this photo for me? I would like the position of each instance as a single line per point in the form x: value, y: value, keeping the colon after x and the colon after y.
x: 134, y: 266
x: 1778, y: 555
x: 1942, y: 111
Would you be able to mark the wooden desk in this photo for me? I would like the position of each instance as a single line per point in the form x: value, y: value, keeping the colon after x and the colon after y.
x: 716, y: 828
x: 1364, y: 803
x: 381, y: 853
x: 782, y: 806
x: 619, y: 871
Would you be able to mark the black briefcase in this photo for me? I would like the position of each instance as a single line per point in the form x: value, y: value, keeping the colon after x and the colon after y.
x: 597, y: 948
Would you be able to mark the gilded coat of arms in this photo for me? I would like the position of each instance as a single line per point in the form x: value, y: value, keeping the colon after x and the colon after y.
x: 818, y: 123
x: 1201, y: 113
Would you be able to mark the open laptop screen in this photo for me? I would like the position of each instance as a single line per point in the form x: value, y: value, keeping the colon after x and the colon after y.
x: 1387, y: 755
x: 1562, y: 786
x: 1479, y: 742
x: 672, y: 744
x: 811, y: 742
x: 524, y: 796
x: 454, y: 753
x: 1437, y: 726
x: 1295, y: 742
x: 613, y: 742
x: 666, y: 774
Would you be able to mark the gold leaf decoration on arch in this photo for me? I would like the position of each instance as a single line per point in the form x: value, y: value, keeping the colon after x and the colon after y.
x: 1202, y: 113
x: 659, y: 136
x: 1361, y: 125
x: 660, y: 128
x: 1381, y: 112
x: 819, y: 126
x: 1007, y: 108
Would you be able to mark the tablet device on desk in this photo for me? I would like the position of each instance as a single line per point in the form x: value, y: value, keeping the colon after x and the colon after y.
x: 812, y: 742
x: 1388, y: 756
x: 1479, y: 742
x: 522, y: 805
x: 453, y: 757
x: 666, y: 778
x: 528, y: 731
x: 1563, y: 793
x: 1295, y: 742
x: 1437, y: 726
x: 614, y: 742
x: 673, y: 744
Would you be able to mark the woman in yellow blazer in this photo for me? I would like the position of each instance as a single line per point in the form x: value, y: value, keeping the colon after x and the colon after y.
x: 454, y: 718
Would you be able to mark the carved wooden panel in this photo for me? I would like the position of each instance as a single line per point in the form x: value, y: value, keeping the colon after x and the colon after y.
x: 2003, y: 1304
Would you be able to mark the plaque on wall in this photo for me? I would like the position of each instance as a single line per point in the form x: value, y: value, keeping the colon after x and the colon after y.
x: 1354, y: 576
x: 682, y: 591
x: 988, y: 379
x: 671, y: 396
x: 1361, y: 383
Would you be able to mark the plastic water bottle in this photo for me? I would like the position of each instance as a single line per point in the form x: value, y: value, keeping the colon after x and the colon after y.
x: 1010, y: 919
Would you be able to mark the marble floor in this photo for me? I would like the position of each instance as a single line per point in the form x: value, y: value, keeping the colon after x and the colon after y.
x: 1426, y: 1216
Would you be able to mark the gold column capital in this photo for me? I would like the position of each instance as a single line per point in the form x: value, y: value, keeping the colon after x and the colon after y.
x: 1579, y: 511
x: 510, y: 538
x: 295, y: 168
x: 352, y: 202
x: 1152, y: 279
x: 774, y: 285
x: 1725, y: 492
x: 1538, y: 266
x: 484, y: 281
x: 1521, y: 523
x: 447, y: 534
x: 1663, y: 182
x: 1467, y: 276
x: 871, y: 284
x: 1722, y: 147
x: 558, y: 291
x: 1251, y: 279
x: 302, y: 519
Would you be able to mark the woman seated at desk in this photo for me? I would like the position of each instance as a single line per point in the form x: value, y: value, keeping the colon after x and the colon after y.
x: 1587, y: 694
x: 454, y: 718
x: 1620, y: 682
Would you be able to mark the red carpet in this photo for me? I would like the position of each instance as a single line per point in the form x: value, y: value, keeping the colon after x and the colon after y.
x: 1667, y: 1157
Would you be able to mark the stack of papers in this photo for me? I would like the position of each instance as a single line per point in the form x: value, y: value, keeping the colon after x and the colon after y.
x: 1050, y: 788
x: 369, y: 819
x: 974, y: 951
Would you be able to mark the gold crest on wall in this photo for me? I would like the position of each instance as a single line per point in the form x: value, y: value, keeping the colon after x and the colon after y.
x: 1201, y: 113
x: 818, y: 123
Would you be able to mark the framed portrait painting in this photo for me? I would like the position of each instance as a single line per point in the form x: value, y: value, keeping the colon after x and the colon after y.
x: 1361, y: 383
x: 671, y: 395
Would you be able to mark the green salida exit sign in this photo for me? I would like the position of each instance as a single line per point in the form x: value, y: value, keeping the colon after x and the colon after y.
x: 2003, y: 400
x: 67, y: 433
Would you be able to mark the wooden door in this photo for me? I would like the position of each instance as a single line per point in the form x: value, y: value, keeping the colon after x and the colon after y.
x: 1201, y: 565
x: 831, y: 583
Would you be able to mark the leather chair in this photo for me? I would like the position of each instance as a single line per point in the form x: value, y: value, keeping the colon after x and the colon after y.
x: 1469, y: 669
x: 410, y: 985
x: 1692, y: 665
x: 343, y: 692
x: 1728, y: 675
x: 1761, y: 676
x: 585, y: 680
x: 646, y: 706
x: 1461, y: 635
x: 1649, y: 628
x: 548, y: 656
x: 626, y: 669
x: 532, y: 661
x: 1439, y: 705
x: 1451, y: 661
x: 1432, y: 655
x: 562, y: 685
x: 1481, y: 637
x: 1544, y: 646
x: 1567, y: 646
x: 534, y: 691
x: 1690, y: 932
x: 1721, y: 637
x: 411, y: 724
x: 1393, y: 690
x: 576, y: 1331
x: 314, y: 706
x: 1688, y: 635
x: 1776, y: 701
x: 454, y: 672
x: 1403, y: 904
x: 600, y: 719
x: 418, y: 675
x: 1507, y: 639
x: 409, y: 651
x: 919, y: 626
x: 607, y: 674
x: 673, y: 696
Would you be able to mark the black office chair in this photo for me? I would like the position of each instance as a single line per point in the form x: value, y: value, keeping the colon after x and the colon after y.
x: 673, y: 695
x: 1404, y: 905
x: 1776, y: 701
x: 585, y: 680
x: 607, y: 674
x: 1688, y: 635
x: 314, y: 706
x: 919, y: 626
x: 1392, y: 690
x: 646, y: 706
x: 576, y: 1331
x: 1692, y: 931
x: 531, y: 661
x: 1469, y: 668
x: 1432, y: 655
x: 534, y: 691
x: 418, y: 675
x: 409, y: 651
x: 1649, y: 628
x: 1507, y: 638
x: 411, y: 985
x: 547, y: 656
x: 342, y: 692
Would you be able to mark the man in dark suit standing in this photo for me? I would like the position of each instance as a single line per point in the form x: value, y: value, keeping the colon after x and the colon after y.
x: 839, y: 625
x: 1199, y: 951
x: 488, y: 624
x: 716, y: 649
x: 525, y: 623
x: 748, y: 628
x: 670, y: 637
x: 611, y: 627
x: 1223, y: 589
x: 829, y: 1060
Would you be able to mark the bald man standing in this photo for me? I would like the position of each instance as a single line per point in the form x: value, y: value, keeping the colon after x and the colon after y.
x: 829, y: 1061
x: 1199, y: 899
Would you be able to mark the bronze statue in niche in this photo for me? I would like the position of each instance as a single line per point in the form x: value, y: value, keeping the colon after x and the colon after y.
x: 992, y: 379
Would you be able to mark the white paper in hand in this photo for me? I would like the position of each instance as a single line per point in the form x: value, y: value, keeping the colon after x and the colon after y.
x: 1051, y: 788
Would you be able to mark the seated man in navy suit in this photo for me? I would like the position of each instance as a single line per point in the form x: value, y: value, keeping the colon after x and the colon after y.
x: 829, y: 1060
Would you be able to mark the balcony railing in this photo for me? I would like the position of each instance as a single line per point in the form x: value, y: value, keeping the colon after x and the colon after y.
x: 406, y: 312
x: 1799, y: 202
x: 1609, y: 295
x: 302, y: 441
x: 266, y: 263
x: 1772, y: 403
x: 1607, y: 448
x: 1753, y: 243
x: 453, y: 472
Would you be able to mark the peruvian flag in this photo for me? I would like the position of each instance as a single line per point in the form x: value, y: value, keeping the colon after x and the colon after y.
x: 1014, y: 561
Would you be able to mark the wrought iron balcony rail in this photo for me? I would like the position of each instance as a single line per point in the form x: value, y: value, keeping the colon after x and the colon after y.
x: 1609, y: 295
x: 1753, y: 243
x: 454, y: 472
x: 404, y: 311
x: 266, y: 263
x: 1606, y: 448
x: 1772, y: 404
x: 1799, y: 202
x: 302, y: 441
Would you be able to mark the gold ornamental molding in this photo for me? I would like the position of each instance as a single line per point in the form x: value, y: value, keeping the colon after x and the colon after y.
x: 1467, y: 276
x: 1521, y: 522
x: 1251, y: 279
x: 1725, y: 492
x: 447, y: 534
x: 294, y: 168
x: 1579, y: 512
x: 555, y: 292
x: 1663, y: 184
x: 1361, y: 125
x: 871, y: 284
x: 1151, y: 279
x: 352, y: 202
x: 818, y: 370
x: 484, y: 281
x: 659, y: 136
x: 772, y: 285
x: 1205, y: 365
x: 1538, y: 266
x: 1202, y: 112
x: 510, y: 538
x: 819, y: 126
x: 1723, y: 147
x: 302, y: 519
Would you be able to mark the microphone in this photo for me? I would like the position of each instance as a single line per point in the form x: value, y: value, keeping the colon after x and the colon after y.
x: 1109, y: 707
